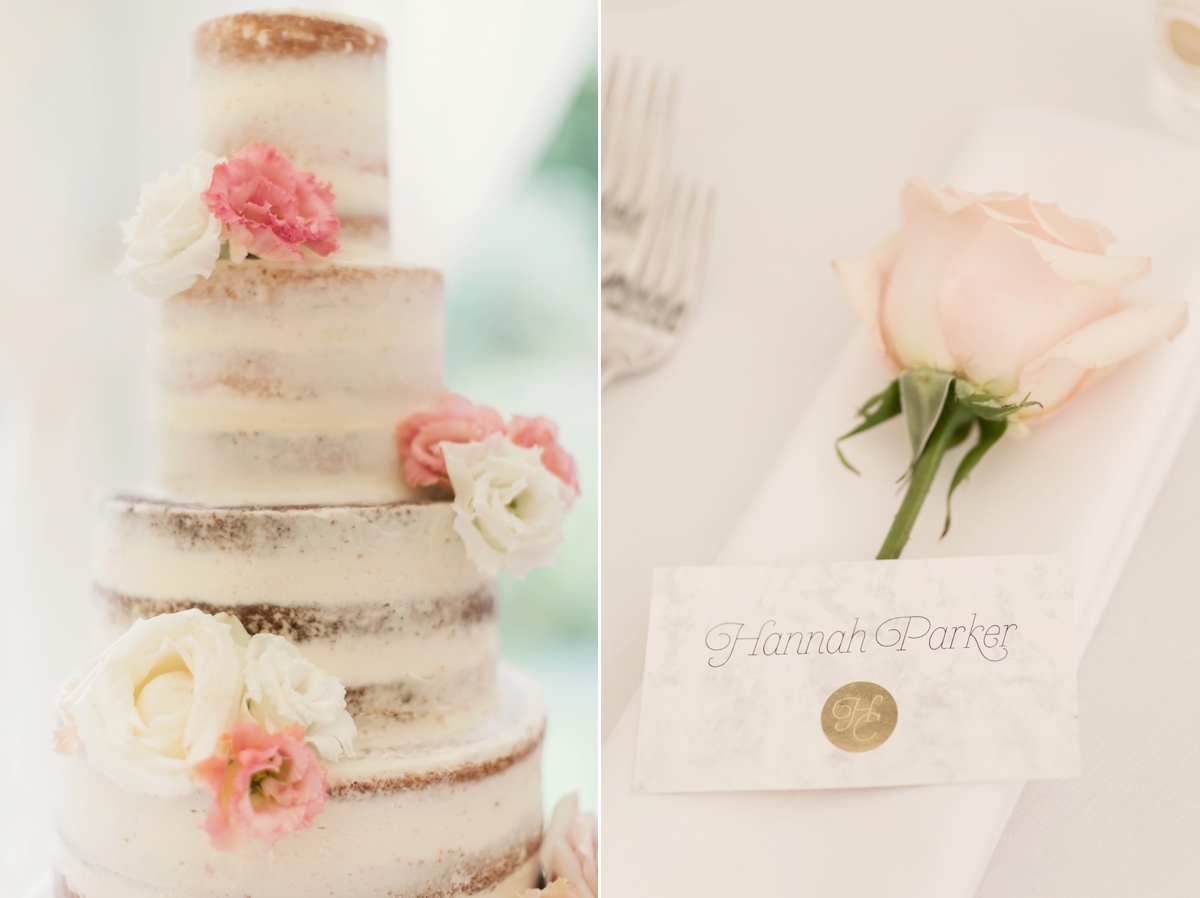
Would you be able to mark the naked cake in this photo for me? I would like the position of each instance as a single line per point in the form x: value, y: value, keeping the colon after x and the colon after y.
x: 301, y: 693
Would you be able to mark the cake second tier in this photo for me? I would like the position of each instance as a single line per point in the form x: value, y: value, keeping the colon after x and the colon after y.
x: 382, y: 596
x: 283, y: 382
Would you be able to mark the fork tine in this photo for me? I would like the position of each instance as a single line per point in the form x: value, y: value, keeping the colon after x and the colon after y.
x: 655, y: 148
x: 676, y: 263
x: 639, y: 136
x: 615, y: 162
x: 657, y: 248
x: 633, y: 137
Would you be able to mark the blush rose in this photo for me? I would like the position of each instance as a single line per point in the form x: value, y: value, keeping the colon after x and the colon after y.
x: 1014, y: 296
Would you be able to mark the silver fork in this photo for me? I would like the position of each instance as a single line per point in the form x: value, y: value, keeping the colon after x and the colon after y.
x: 646, y: 305
x: 636, y: 127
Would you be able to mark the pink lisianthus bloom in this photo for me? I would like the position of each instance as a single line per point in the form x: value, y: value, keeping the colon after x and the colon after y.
x: 560, y: 888
x: 451, y: 419
x: 571, y: 849
x: 265, y: 785
x: 270, y: 209
x: 542, y: 432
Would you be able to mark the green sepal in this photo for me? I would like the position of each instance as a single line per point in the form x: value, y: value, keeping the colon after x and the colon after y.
x: 923, y: 393
x: 961, y: 433
x: 881, y: 407
x: 986, y: 407
x: 989, y: 434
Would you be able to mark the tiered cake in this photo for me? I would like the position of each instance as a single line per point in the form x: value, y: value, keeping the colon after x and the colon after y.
x: 279, y: 498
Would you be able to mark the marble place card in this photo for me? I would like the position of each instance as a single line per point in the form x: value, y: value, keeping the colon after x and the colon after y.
x: 879, y: 673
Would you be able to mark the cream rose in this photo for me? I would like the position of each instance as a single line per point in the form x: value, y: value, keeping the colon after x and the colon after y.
x: 173, y: 239
x: 284, y: 688
x: 509, y: 509
x: 158, y: 701
x: 1014, y: 296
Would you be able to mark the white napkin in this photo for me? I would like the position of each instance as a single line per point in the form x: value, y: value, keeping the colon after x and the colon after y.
x: 1082, y: 483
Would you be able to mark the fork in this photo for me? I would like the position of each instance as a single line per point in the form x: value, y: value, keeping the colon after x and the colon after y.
x: 636, y: 128
x: 646, y: 305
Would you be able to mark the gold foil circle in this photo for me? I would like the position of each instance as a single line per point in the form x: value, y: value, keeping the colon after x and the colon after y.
x: 1185, y: 40
x: 859, y: 716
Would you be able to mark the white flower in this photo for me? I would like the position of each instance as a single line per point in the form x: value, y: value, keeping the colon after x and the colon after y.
x: 509, y: 509
x: 284, y: 688
x: 173, y: 238
x: 158, y: 701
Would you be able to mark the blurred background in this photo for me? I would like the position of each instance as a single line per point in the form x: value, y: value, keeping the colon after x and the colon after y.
x: 494, y: 177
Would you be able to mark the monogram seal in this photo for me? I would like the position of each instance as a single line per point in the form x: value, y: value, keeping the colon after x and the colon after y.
x: 859, y: 716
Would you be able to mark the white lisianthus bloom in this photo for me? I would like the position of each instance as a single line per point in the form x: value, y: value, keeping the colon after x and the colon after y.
x: 158, y: 701
x: 173, y: 238
x: 509, y: 509
x: 284, y: 688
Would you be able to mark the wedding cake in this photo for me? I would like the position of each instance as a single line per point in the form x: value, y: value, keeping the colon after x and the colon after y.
x: 312, y: 572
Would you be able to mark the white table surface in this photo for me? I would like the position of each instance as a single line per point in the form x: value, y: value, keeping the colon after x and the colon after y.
x: 808, y: 117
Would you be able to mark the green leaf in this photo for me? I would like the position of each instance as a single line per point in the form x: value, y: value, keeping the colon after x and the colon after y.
x: 989, y: 434
x: 923, y: 393
x: 879, y: 408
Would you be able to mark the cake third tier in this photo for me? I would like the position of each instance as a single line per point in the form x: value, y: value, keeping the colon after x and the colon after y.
x: 382, y: 596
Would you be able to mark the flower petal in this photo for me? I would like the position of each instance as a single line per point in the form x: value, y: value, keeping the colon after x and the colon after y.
x: 863, y: 279
x: 1093, y: 269
x: 1076, y: 233
x: 1125, y: 333
x: 910, y: 315
x: 1002, y: 307
x: 1050, y: 383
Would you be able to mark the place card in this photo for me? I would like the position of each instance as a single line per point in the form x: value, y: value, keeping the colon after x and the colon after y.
x: 879, y: 673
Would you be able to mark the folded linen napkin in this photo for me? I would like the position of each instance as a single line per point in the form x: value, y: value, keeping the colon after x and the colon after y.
x: 1081, y: 483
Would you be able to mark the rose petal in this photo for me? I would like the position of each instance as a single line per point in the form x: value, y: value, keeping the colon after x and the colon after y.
x: 1003, y: 307
x: 1125, y: 333
x: 1049, y: 383
x: 1076, y: 233
x: 1092, y: 269
x: 863, y: 278
x: 911, y: 315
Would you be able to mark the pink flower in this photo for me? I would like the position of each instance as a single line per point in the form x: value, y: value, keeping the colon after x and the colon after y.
x: 530, y: 432
x: 265, y: 785
x: 1015, y: 296
x: 560, y: 888
x: 571, y: 849
x: 451, y: 419
x: 270, y: 209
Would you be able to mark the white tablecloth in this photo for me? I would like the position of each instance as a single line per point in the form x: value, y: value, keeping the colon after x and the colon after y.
x: 805, y: 116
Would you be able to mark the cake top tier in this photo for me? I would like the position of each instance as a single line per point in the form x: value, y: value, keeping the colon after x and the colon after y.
x: 270, y: 34
x: 314, y: 85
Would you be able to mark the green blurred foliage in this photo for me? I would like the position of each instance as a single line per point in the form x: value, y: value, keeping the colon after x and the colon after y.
x: 521, y: 334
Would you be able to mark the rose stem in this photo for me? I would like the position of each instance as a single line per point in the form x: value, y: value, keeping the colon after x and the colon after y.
x: 953, y: 415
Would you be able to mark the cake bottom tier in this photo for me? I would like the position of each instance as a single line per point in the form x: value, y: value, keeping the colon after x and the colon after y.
x: 460, y: 816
